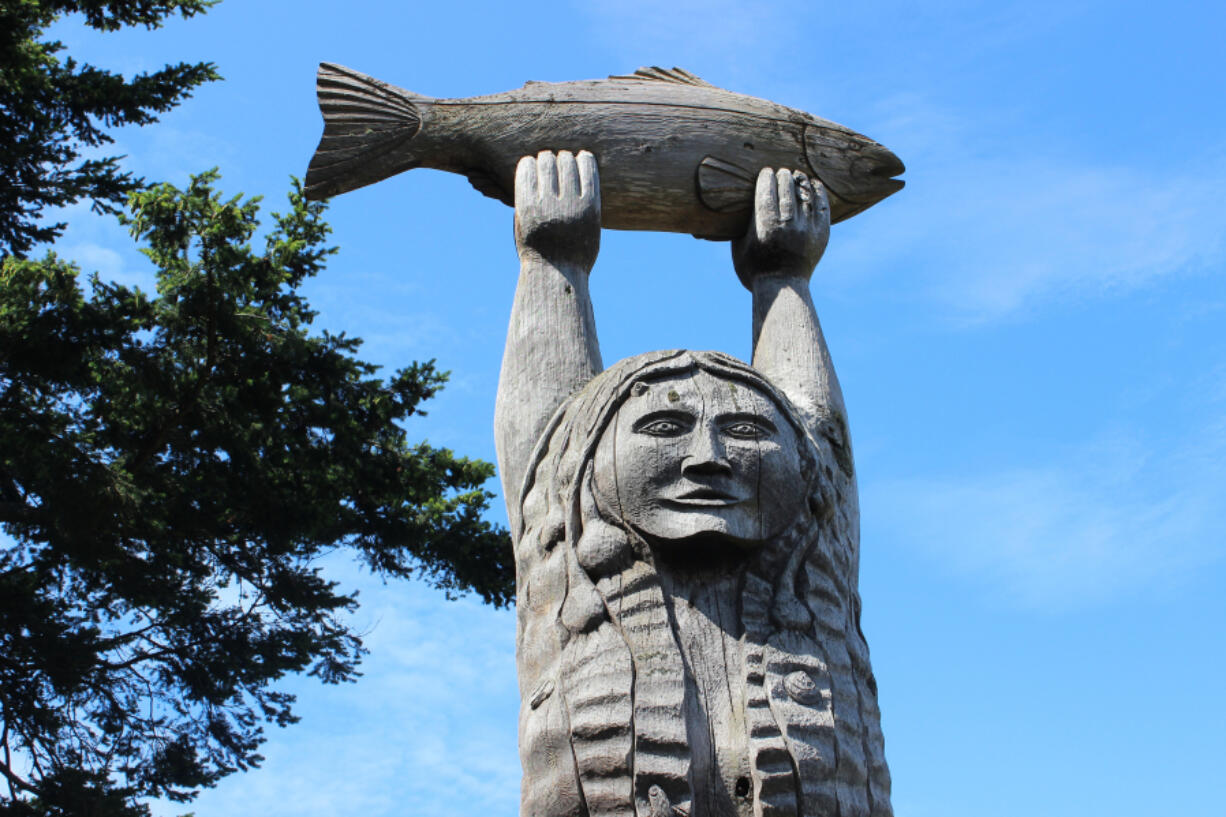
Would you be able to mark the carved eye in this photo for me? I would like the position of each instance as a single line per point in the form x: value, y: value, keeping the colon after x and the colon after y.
x: 746, y: 430
x: 663, y: 427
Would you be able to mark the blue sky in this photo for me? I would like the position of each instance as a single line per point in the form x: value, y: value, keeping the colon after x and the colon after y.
x: 1029, y: 338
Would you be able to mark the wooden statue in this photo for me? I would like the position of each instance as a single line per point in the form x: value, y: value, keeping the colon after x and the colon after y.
x: 686, y: 526
x: 675, y: 152
x: 686, y: 537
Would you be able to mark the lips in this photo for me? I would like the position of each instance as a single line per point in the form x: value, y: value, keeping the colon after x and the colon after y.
x: 705, y: 497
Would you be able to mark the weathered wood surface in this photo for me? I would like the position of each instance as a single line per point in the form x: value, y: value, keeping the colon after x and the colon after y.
x: 675, y: 153
x: 686, y: 537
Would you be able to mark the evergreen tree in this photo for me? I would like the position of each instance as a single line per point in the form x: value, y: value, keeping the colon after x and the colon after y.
x: 174, y: 466
x: 51, y: 111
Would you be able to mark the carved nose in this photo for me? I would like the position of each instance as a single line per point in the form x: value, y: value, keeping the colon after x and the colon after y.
x: 706, y: 455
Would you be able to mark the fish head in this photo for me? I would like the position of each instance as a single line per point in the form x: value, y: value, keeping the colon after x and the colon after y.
x: 856, y: 171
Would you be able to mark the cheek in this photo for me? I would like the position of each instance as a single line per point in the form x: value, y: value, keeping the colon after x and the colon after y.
x: 779, y: 478
x: 748, y: 461
x: 644, y: 464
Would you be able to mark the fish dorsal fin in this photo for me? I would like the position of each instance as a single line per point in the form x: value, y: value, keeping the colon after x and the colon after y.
x: 657, y: 74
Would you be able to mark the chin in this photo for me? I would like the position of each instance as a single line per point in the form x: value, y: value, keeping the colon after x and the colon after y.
x: 708, y: 538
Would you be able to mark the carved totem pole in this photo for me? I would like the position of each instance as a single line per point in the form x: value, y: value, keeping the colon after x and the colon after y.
x: 686, y: 526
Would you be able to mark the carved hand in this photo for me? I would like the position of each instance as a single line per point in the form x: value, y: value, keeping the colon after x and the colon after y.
x: 788, y: 231
x: 557, y: 208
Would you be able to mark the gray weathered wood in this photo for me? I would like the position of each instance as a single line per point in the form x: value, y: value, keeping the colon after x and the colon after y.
x: 686, y: 538
x: 551, y: 348
x: 675, y: 153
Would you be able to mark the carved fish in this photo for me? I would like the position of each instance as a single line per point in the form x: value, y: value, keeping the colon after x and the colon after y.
x: 675, y: 153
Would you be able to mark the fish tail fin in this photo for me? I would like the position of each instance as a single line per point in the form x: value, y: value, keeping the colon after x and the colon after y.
x: 366, y: 125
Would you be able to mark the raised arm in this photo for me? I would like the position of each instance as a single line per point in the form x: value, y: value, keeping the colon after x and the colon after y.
x: 551, y: 348
x: 775, y: 260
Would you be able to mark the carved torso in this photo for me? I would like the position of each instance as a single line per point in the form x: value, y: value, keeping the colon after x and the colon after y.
x: 706, y: 616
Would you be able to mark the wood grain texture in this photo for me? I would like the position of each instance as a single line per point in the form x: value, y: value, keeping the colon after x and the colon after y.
x: 675, y: 153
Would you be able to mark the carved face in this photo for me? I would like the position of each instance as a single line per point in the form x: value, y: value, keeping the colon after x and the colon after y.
x: 700, y: 458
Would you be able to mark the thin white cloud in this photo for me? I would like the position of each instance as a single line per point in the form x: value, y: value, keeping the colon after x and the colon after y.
x: 109, y: 264
x: 731, y: 35
x: 98, y: 243
x: 1112, y: 517
x: 989, y: 234
x: 430, y: 728
x: 1044, y: 232
x: 168, y: 153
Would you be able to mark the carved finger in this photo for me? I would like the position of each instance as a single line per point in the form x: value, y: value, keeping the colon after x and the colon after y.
x: 787, y: 195
x: 823, y: 199
x: 547, y: 174
x: 804, y: 193
x: 589, y: 175
x: 568, y: 176
x: 766, y: 199
x: 525, y: 181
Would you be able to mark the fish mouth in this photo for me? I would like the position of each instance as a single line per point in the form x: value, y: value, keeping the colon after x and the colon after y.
x: 877, y: 160
x: 875, y: 169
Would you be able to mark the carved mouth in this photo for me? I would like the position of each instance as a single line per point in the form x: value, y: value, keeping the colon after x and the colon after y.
x: 705, y: 498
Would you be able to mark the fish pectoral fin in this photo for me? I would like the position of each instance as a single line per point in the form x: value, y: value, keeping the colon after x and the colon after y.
x: 487, y: 185
x: 657, y: 74
x: 725, y: 187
